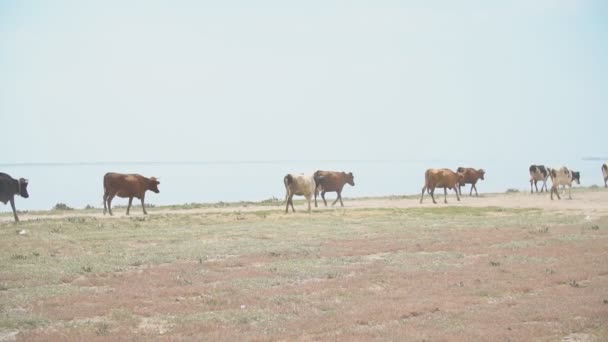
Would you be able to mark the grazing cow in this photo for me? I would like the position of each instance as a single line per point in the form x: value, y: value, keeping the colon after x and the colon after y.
x: 538, y: 173
x: 298, y: 184
x: 605, y: 174
x: 563, y: 176
x: 330, y: 181
x: 470, y: 176
x: 9, y: 187
x: 126, y: 185
x: 441, y: 178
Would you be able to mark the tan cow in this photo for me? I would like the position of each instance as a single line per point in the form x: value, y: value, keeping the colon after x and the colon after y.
x: 331, y: 181
x: 126, y: 186
x: 563, y: 176
x: 441, y: 178
x: 300, y: 185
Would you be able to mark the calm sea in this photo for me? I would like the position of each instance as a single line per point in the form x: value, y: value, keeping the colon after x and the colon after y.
x: 78, y: 185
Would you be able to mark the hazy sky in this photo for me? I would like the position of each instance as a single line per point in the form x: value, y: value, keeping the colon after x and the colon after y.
x: 282, y: 80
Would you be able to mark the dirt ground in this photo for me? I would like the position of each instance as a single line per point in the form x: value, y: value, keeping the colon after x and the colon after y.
x: 499, y: 267
x: 589, y: 201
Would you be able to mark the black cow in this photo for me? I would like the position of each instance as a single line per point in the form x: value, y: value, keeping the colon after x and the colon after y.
x: 9, y: 187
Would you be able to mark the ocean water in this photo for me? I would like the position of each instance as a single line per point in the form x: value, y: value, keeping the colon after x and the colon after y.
x: 78, y: 185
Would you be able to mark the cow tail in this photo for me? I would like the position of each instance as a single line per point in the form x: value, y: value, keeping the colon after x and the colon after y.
x: 288, y: 180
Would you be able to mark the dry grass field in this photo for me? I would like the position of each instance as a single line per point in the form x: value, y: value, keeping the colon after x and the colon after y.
x: 495, y: 268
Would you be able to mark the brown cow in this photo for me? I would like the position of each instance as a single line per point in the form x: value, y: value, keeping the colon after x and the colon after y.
x: 441, y: 178
x: 471, y: 176
x: 331, y: 181
x: 126, y: 185
x: 9, y: 187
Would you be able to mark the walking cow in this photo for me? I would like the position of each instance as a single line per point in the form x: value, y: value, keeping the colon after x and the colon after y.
x: 127, y: 186
x: 563, y: 176
x: 9, y: 187
x: 538, y: 173
x: 470, y: 176
x: 298, y: 184
x: 331, y: 181
x: 441, y: 178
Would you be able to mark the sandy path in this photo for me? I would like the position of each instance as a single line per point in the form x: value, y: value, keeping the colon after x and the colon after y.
x: 589, y: 202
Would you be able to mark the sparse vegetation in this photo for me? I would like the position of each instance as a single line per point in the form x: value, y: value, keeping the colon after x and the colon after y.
x: 375, y: 273
x: 512, y: 191
x: 62, y: 206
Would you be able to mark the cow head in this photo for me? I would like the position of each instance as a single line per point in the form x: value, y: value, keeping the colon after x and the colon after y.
x: 350, y: 179
x: 153, y: 184
x: 482, y: 173
x: 576, y: 176
x: 23, y: 188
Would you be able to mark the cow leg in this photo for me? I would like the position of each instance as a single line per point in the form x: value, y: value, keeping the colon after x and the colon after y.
x: 14, y: 210
x: 433, y: 195
x: 531, y: 188
x: 316, y: 194
x: 570, y: 191
x: 291, y: 202
x: 105, y: 199
x: 143, y: 206
x: 340, y: 197
x: 445, y: 195
x: 110, y: 198
x: 541, y: 187
x: 457, y: 196
x: 287, y: 202
x: 605, y: 182
x: 337, y: 198
x: 422, y: 195
x: 476, y: 193
x: 544, y: 187
x: 308, y: 200
x: 129, y: 205
x: 323, y: 197
x: 460, y: 189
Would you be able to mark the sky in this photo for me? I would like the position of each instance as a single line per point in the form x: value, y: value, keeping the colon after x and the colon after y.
x: 87, y: 81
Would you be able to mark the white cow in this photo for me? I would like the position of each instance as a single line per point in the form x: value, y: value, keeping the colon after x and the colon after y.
x: 605, y: 173
x: 301, y: 185
x: 563, y: 176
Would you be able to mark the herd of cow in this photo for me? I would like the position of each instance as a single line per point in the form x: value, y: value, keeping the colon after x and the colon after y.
x: 135, y: 186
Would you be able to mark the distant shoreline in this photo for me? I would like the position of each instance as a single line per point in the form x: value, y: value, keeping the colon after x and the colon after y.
x: 244, y: 162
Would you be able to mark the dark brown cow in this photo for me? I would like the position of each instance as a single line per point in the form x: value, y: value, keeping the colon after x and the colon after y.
x: 332, y: 181
x: 471, y: 176
x: 126, y: 186
x: 605, y: 174
x: 441, y: 178
x: 9, y: 187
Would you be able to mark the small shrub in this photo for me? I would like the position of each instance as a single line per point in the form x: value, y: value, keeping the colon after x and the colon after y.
x: 87, y: 269
x: 494, y: 263
x: 103, y: 329
x: 512, y: 191
x: 62, y: 206
x: 595, y: 227
x: 89, y: 207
